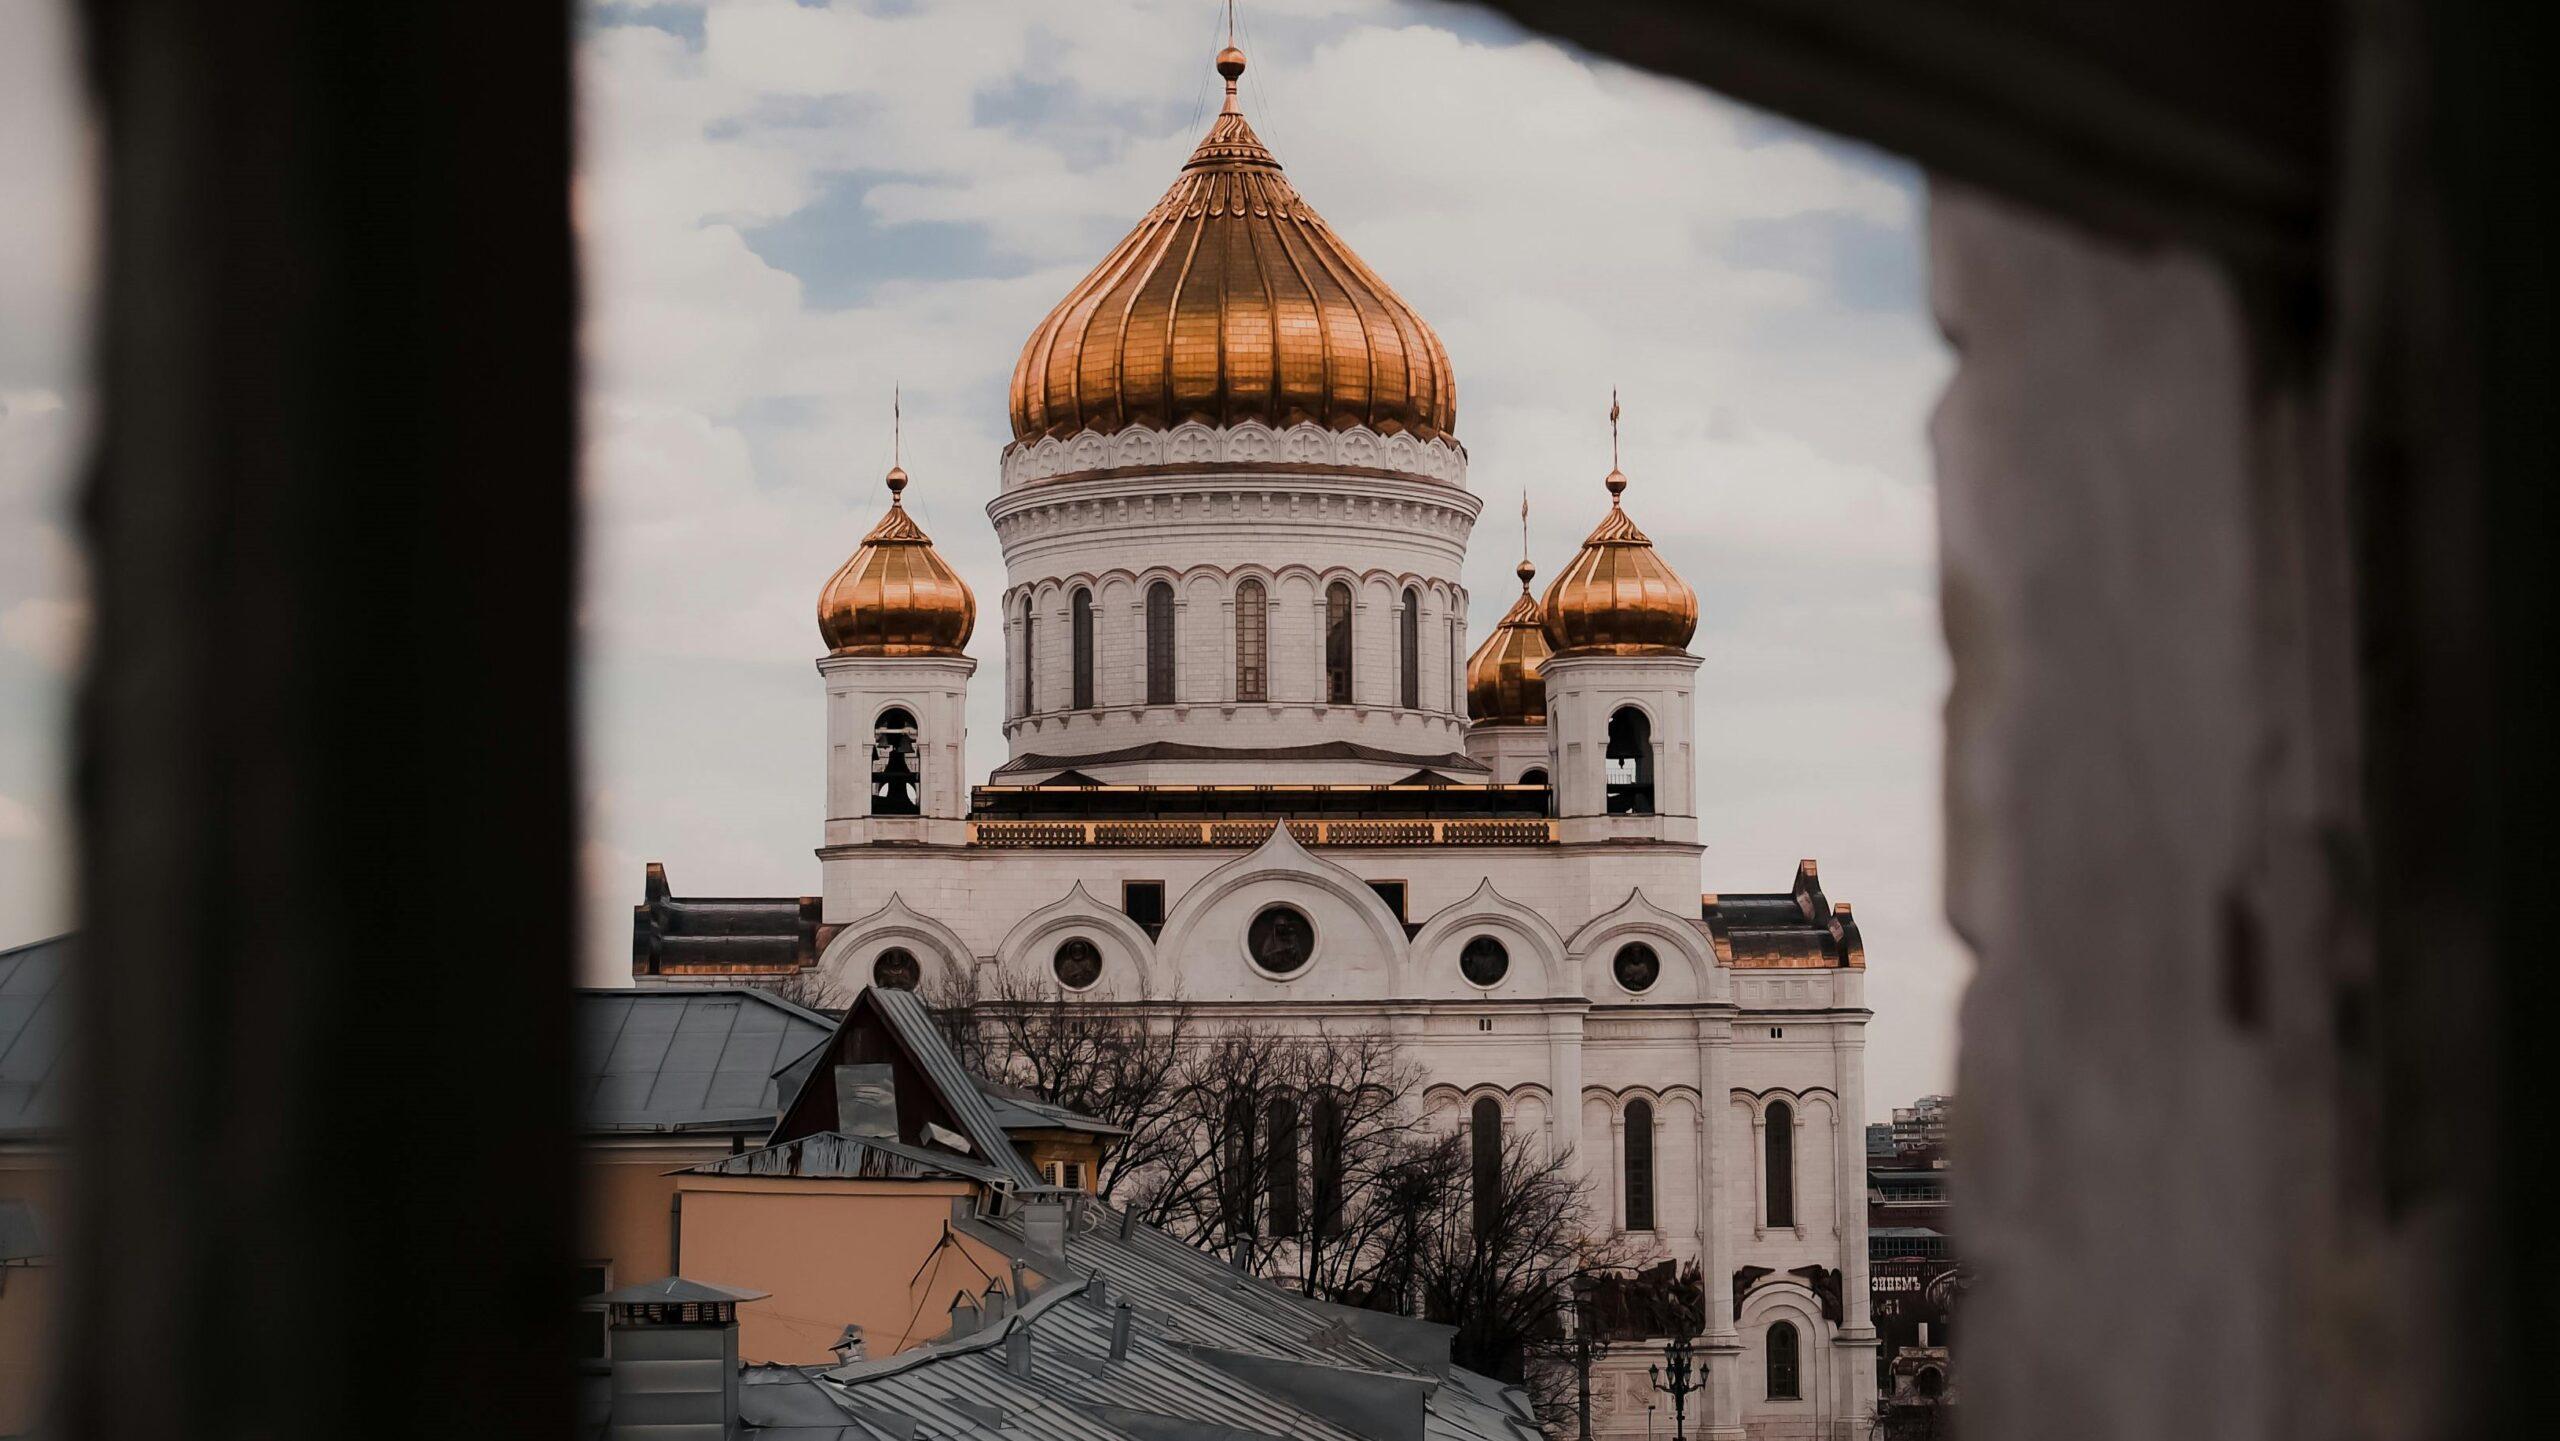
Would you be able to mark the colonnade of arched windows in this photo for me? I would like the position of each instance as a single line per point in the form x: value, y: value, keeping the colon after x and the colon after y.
x: 1160, y: 642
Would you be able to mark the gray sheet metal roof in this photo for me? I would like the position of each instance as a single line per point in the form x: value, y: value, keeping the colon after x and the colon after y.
x: 1167, y: 1385
x: 1016, y: 1111
x: 34, y: 1022
x: 687, y: 1060
x: 676, y: 1290
x: 835, y: 1155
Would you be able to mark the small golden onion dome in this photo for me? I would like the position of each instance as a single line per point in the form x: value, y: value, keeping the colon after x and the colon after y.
x: 1503, y: 684
x: 897, y: 595
x: 1617, y: 594
x: 1232, y: 301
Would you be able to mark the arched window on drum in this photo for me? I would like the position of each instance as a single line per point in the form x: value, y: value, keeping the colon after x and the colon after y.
x: 1409, y: 651
x: 1337, y: 644
x: 1080, y: 624
x: 1030, y: 697
x: 1253, y: 642
x: 1160, y: 643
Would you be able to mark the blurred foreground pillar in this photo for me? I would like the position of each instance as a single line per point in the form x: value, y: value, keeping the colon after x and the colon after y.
x: 322, y: 1166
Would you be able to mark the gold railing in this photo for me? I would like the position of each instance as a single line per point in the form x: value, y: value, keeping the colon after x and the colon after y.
x: 1051, y: 835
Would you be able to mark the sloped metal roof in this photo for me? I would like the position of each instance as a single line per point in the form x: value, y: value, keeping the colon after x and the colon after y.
x: 835, y: 1155
x: 35, y: 1020
x: 676, y: 1290
x: 907, y: 1016
x: 687, y: 1060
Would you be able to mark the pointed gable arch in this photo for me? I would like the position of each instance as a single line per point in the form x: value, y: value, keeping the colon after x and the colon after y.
x: 1537, y: 948
x: 1277, y: 866
x: 1686, y: 953
x: 1128, y: 955
x: 847, y: 959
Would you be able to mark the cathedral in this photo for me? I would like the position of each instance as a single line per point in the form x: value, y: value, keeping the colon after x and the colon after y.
x: 1250, y: 760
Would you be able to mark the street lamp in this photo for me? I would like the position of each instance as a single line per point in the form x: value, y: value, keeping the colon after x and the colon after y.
x: 1673, y: 1378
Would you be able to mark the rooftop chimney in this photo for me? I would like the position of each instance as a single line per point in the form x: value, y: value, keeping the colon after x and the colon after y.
x: 1044, y: 1222
x: 1017, y: 1351
x: 1120, y: 1332
x: 849, y: 1347
x: 964, y: 1316
x: 993, y: 1303
x: 1098, y: 1290
x: 675, y: 1361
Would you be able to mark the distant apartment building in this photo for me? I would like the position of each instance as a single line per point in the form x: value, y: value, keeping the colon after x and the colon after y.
x: 1921, y: 1127
x: 1914, y: 1275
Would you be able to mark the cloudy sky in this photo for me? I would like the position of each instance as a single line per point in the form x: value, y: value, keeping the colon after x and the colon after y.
x: 789, y: 207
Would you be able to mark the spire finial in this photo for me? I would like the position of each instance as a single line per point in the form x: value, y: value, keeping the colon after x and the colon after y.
x: 1231, y: 63
x: 897, y: 442
x: 1525, y: 570
x: 1617, y: 481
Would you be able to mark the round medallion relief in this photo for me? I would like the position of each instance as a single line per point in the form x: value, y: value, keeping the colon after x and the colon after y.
x: 1077, y: 963
x: 1484, y: 962
x: 1636, y: 966
x: 896, y: 969
x: 1281, y: 940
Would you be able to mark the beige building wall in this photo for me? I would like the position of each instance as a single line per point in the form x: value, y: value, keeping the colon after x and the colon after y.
x: 829, y: 1253
x: 629, y: 1192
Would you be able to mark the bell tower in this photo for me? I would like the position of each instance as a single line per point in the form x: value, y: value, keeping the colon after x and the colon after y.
x: 896, y: 618
x: 1621, y: 683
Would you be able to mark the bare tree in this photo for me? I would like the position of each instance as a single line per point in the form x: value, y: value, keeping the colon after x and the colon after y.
x: 1291, y: 1148
x: 810, y: 990
x: 1507, y: 1283
x: 1122, y: 1065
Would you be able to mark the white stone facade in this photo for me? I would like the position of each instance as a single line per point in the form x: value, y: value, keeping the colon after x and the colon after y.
x: 1714, y: 1048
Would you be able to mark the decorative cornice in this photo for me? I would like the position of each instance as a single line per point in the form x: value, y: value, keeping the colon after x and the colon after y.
x: 1357, y: 449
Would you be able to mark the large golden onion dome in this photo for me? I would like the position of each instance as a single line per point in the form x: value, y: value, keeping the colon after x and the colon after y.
x: 1617, y: 595
x: 1232, y: 301
x: 1503, y: 683
x: 897, y: 595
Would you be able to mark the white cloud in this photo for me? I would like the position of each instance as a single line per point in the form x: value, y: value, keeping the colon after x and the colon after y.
x: 1568, y: 225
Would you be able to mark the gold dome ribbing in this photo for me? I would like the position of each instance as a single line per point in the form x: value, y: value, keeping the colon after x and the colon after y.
x: 897, y: 595
x: 1617, y: 595
x: 1503, y: 683
x: 1232, y: 301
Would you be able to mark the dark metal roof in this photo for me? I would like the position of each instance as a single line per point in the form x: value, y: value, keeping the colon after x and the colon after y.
x: 1016, y: 1110
x: 1404, y: 799
x: 1186, y: 751
x: 687, y: 1060
x: 34, y: 1022
x: 676, y: 1290
x: 835, y: 1155
x: 717, y: 935
x: 1212, y: 1354
x: 1791, y: 929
